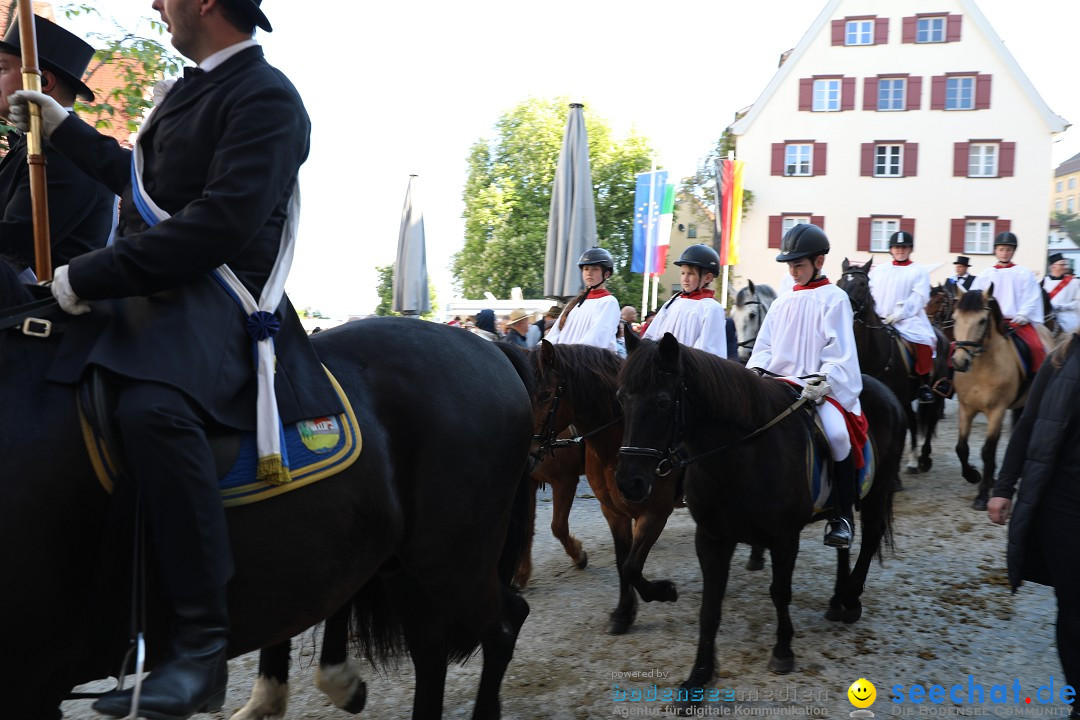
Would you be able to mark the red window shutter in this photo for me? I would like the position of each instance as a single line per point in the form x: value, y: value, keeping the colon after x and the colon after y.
x: 982, y: 92
x: 778, y: 158
x: 1007, y: 161
x: 866, y: 167
x: 961, y: 155
x: 937, y: 92
x: 910, y: 25
x: 908, y: 225
x: 1001, y: 226
x: 881, y: 31
x: 911, y: 159
x: 847, y: 94
x: 956, y: 237
x: 818, y: 220
x: 914, y: 93
x: 862, y: 244
x: 819, y: 158
x: 776, y: 225
x: 839, y: 28
x: 869, y: 94
x: 952, y: 28
x: 806, y: 93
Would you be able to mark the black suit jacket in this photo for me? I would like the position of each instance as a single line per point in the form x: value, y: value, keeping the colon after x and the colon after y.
x: 221, y: 155
x: 964, y: 282
x: 80, y: 210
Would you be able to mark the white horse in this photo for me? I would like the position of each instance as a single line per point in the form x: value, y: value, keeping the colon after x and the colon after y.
x: 751, y: 305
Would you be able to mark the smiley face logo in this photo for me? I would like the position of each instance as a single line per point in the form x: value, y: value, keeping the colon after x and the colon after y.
x: 862, y: 693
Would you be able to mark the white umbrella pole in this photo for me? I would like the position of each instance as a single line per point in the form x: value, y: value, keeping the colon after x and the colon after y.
x: 645, y: 271
x: 655, y: 285
x: 723, y: 291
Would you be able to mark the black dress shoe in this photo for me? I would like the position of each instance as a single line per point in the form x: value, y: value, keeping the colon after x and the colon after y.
x: 838, y: 533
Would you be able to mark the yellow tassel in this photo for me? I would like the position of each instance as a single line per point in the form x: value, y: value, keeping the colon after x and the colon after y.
x: 272, y: 470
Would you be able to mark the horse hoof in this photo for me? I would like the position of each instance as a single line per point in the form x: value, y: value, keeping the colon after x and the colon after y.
x: 618, y: 626
x: 356, y: 704
x: 781, y: 666
x: 833, y: 614
x: 665, y: 591
x: 851, y: 614
x: 583, y: 561
x: 925, y: 464
x: 755, y: 563
x: 979, y: 504
x: 973, y: 476
x: 912, y: 470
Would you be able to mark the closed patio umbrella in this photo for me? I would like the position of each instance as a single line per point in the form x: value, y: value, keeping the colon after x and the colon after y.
x: 410, y: 269
x: 572, y: 220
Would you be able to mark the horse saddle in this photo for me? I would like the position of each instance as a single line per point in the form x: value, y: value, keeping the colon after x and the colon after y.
x: 1023, y: 354
x: 316, y: 448
x: 819, y: 463
x: 907, y: 355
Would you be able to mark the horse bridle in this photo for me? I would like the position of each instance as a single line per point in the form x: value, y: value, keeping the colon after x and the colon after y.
x: 548, y: 435
x: 675, y: 457
x: 944, y: 314
x: 749, y: 343
x: 858, y: 310
x: 976, y: 347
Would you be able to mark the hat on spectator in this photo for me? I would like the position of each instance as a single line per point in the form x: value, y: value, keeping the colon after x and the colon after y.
x: 516, y: 315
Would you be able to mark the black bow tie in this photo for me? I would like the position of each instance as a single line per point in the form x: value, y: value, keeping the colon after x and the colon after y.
x: 190, y: 73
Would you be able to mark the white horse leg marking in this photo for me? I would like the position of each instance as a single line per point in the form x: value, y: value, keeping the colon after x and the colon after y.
x: 269, y: 699
x: 339, y: 682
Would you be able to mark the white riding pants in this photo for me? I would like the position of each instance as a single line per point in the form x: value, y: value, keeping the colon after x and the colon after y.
x: 835, y: 427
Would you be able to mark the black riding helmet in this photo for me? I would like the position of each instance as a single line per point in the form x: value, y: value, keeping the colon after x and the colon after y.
x: 803, y: 240
x: 597, y: 256
x: 1005, y: 238
x: 901, y: 238
x: 701, y: 256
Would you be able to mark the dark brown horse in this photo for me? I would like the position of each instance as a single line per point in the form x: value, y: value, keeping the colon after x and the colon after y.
x: 577, y: 384
x: 417, y: 536
x: 747, y: 477
x: 940, y: 306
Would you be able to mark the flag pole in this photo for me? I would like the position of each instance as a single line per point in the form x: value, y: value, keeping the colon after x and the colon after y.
x: 35, y: 158
x: 648, y: 237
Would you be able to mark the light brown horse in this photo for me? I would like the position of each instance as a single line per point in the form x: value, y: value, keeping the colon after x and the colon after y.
x: 988, y: 380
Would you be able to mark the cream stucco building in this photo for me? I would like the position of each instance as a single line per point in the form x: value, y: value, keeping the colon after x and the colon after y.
x: 907, y: 115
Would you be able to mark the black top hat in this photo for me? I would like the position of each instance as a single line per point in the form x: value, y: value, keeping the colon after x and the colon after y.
x: 963, y: 260
x: 59, y: 52
x: 251, y: 9
x: 1056, y: 257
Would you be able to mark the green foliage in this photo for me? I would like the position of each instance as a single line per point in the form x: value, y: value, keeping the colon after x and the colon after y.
x: 385, y: 289
x: 702, y: 184
x: 508, y: 199
x: 1070, y: 223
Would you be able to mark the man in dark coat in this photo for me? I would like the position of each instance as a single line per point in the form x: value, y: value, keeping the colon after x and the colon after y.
x: 962, y: 277
x: 219, y: 160
x: 1044, y: 532
x: 80, y: 210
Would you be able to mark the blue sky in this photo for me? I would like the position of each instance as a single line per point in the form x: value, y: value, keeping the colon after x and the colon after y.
x: 395, y: 88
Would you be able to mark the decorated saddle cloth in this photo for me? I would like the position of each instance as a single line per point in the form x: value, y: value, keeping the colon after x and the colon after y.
x: 819, y: 462
x: 315, y: 448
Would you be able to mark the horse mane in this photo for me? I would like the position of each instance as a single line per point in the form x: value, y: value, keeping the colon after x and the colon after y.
x: 972, y: 301
x: 591, y: 373
x: 731, y: 393
x: 13, y: 291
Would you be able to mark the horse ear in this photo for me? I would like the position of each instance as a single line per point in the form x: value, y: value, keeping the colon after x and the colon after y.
x: 750, y: 284
x: 547, y: 354
x: 632, y: 340
x: 669, y: 353
x: 869, y: 264
x: 959, y: 289
x: 990, y: 291
x: 845, y: 265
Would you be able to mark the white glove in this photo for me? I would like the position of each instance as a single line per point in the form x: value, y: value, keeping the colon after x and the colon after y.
x: 892, y: 319
x: 815, y: 390
x: 52, y: 114
x: 1019, y: 319
x: 61, y: 290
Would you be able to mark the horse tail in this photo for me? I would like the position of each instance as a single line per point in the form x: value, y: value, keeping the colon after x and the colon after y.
x: 887, y: 424
x: 518, y: 531
x: 374, y: 623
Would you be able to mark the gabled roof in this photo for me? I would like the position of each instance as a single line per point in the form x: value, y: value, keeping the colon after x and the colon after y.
x: 1054, y: 122
x: 1069, y: 166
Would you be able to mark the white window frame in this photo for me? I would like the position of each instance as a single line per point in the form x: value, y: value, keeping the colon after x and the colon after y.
x: 881, y: 229
x: 931, y: 29
x: 859, y: 32
x: 790, y: 221
x: 1072, y: 183
x: 979, y: 237
x: 960, y: 92
x: 799, y: 160
x: 889, y: 160
x: 984, y: 160
x: 827, y: 95
x: 1057, y: 205
x: 887, y: 100
x: 1070, y: 204
x: 1058, y: 187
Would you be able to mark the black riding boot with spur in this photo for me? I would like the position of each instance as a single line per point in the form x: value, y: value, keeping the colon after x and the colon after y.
x: 840, y: 528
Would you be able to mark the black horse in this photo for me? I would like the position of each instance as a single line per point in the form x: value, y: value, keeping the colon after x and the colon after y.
x: 414, y: 535
x: 880, y: 356
x: 745, y: 487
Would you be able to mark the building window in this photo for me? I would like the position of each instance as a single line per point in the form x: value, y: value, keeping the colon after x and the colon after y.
x: 1057, y: 205
x: 1057, y: 188
x: 1072, y: 183
x: 1069, y: 206
x: 891, y: 93
x: 930, y: 30
x: 691, y: 231
x: 859, y: 32
x: 798, y: 160
x: 960, y: 93
x: 983, y: 160
x: 791, y: 221
x: 888, y: 161
x: 826, y: 95
x: 978, y: 236
x: 881, y: 229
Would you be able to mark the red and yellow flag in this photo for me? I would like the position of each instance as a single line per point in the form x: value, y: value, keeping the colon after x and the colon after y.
x: 731, y: 199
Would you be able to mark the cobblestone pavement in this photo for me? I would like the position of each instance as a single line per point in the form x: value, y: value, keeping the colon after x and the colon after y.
x: 937, y: 612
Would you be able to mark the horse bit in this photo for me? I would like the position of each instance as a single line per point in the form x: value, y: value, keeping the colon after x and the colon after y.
x: 976, y: 347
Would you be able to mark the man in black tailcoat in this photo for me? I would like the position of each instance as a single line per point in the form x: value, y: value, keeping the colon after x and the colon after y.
x: 80, y: 210
x: 219, y: 163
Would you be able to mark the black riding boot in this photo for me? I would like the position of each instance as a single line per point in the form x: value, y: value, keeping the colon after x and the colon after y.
x: 840, y: 529
x: 193, y: 677
x: 926, y: 392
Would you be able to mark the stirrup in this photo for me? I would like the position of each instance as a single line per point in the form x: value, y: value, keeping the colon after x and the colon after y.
x: 842, y: 524
x: 944, y: 388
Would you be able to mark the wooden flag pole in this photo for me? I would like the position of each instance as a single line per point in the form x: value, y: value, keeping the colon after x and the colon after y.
x: 39, y: 201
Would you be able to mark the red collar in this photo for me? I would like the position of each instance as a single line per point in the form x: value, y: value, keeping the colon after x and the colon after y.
x: 598, y: 293
x: 901, y: 264
x: 700, y: 294
x: 810, y: 286
x: 1003, y: 266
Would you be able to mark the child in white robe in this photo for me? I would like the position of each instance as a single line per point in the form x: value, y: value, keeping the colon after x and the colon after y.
x: 693, y: 315
x: 592, y: 318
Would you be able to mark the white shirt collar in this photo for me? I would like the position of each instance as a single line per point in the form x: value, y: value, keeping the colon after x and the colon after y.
x: 221, y: 56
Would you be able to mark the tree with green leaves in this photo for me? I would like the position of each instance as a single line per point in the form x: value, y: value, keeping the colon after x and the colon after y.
x: 508, y: 198
x: 702, y: 184
x: 385, y: 289
x: 1070, y: 224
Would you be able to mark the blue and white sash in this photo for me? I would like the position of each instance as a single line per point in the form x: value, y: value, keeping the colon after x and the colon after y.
x: 262, y: 325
